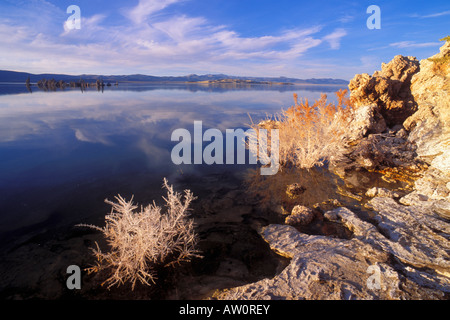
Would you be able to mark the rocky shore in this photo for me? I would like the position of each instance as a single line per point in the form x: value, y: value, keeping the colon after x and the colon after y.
x: 401, y: 130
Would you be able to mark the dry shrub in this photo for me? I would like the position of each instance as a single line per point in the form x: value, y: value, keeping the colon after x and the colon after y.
x: 311, y: 134
x: 141, y: 240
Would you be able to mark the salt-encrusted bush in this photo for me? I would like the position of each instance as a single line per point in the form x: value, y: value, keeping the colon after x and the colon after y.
x: 140, y: 240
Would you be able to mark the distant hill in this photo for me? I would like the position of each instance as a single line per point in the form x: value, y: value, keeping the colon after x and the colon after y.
x: 14, y: 76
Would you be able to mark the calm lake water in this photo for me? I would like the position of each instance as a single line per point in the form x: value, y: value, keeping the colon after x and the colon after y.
x: 62, y: 153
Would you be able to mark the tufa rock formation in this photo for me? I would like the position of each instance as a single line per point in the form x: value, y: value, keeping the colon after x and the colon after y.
x: 414, y: 100
x: 389, y: 89
x: 429, y: 132
x: 430, y: 126
x: 367, y: 120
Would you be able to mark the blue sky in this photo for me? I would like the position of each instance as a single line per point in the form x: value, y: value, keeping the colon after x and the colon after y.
x: 291, y: 38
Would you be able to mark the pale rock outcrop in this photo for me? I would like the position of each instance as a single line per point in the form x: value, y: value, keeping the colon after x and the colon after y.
x: 429, y: 131
x: 406, y: 249
x: 414, y: 235
x: 388, y: 95
x: 430, y: 126
x: 431, y: 191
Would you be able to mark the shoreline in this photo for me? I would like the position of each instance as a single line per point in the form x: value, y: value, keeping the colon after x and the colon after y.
x: 209, y: 83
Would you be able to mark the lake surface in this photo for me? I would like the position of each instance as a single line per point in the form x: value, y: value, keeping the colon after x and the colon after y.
x: 62, y: 153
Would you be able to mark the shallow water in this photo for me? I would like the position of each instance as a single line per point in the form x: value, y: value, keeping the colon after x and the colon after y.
x: 62, y: 153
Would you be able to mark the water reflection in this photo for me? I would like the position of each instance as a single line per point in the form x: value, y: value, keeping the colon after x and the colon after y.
x: 63, y: 152
x: 15, y: 88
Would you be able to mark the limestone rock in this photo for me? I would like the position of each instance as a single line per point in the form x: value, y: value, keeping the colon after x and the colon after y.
x: 431, y: 193
x: 415, y: 199
x: 321, y: 268
x: 442, y: 208
x: 433, y: 184
x: 379, y: 151
x: 429, y: 85
x: 430, y: 132
x: 430, y: 126
x: 389, y: 89
x: 416, y: 235
x: 367, y: 119
x: 330, y: 268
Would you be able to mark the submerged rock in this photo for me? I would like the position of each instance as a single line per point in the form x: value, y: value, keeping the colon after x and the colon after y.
x: 300, y: 215
x: 381, y: 192
x: 294, y: 190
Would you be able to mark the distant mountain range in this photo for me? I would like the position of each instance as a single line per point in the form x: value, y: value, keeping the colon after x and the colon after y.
x: 14, y: 76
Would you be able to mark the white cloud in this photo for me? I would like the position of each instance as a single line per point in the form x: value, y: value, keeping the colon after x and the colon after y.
x: 296, y: 40
x: 90, y: 28
x: 412, y: 44
x: 178, y: 28
x: 145, y: 8
x: 435, y: 15
x: 87, y: 135
x: 152, y: 43
x: 334, y: 38
x: 346, y: 18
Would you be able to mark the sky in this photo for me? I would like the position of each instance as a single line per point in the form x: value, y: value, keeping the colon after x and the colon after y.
x: 290, y: 38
